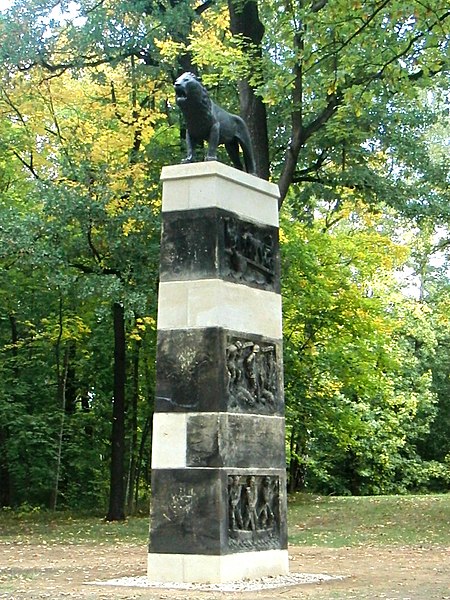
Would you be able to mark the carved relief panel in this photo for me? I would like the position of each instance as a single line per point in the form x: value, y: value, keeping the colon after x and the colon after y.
x: 253, y: 375
x: 214, y: 243
x: 253, y: 511
x: 211, y: 369
x: 250, y: 253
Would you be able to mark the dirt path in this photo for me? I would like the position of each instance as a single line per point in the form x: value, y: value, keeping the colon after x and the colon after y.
x: 54, y: 572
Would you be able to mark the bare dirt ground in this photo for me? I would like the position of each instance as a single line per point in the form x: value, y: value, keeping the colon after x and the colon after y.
x: 54, y: 571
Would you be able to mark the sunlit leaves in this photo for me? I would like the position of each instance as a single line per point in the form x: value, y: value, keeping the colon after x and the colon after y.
x: 82, y: 165
x: 216, y: 51
x: 358, y: 395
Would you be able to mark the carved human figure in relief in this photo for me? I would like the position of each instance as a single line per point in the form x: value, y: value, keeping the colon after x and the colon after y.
x: 235, y: 490
x: 266, y: 515
x: 267, y: 376
x: 251, y: 374
x: 233, y: 370
x: 251, y: 370
x: 250, y: 502
x: 205, y: 121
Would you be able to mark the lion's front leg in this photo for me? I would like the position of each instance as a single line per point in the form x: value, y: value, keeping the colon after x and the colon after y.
x: 190, y: 147
x: 213, y: 142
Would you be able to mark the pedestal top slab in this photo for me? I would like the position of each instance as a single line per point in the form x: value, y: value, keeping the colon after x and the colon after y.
x: 214, y: 184
x: 213, y: 167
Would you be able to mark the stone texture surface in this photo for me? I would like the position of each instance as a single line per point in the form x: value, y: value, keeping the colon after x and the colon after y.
x: 218, y: 472
x: 226, y: 569
x: 234, y: 440
x: 188, y: 511
x: 194, y: 511
x: 189, y: 370
x: 211, y: 243
x: 169, y: 440
x: 213, y: 369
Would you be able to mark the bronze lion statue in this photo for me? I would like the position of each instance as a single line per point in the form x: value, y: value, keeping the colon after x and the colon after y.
x: 205, y: 121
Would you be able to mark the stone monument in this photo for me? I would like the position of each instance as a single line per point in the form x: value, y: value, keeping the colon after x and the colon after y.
x: 218, y: 509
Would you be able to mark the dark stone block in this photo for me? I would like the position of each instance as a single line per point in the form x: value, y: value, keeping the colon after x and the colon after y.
x: 204, y: 440
x: 215, y: 371
x: 190, y: 370
x: 189, y: 243
x: 213, y: 243
x: 235, y: 440
x: 188, y: 511
x: 215, y: 512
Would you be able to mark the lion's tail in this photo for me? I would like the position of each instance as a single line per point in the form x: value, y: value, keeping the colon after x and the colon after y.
x: 245, y: 142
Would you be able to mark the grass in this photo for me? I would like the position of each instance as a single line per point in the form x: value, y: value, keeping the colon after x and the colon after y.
x: 375, y: 520
x: 45, y: 527
x: 313, y: 521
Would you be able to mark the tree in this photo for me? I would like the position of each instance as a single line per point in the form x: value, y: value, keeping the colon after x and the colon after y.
x: 319, y: 66
x: 358, y: 399
x: 429, y: 266
x: 98, y: 223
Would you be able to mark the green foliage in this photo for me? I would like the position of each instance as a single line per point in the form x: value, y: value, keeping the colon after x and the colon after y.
x: 80, y: 232
x: 358, y: 397
x: 436, y: 445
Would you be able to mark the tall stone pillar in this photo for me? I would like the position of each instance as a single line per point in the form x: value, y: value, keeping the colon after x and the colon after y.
x: 218, y: 509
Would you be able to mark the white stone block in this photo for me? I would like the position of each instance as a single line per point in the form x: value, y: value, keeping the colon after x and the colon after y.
x: 201, y: 569
x: 252, y: 565
x: 227, y: 568
x: 217, y: 303
x: 214, y: 184
x: 162, y: 567
x: 169, y: 441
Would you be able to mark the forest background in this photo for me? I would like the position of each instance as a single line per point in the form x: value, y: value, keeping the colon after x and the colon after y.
x: 348, y: 106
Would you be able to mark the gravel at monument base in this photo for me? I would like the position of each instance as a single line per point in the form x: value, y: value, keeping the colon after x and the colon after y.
x: 265, y: 583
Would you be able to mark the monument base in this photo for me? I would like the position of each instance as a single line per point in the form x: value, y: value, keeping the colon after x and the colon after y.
x: 218, y: 513
x: 228, y: 568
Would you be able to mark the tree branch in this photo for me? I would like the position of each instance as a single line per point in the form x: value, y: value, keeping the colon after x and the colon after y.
x: 89, y: 270
x: 94, y: 250
x: 300, y: 134
x: 89, y: 10
x: 202, y: 7
x: 412, y: 76
x: 29, y: 165
x: 318, y: 5
x: 305, y: 174
x: 298, y: 140
x: 346, y: 42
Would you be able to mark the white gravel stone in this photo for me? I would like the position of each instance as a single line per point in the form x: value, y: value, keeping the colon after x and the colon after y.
x: 264, y: 583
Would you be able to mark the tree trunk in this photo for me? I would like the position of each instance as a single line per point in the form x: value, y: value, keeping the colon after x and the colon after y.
x: 71, y: 382
x: 245, y: 22
x: 134, y: 430
x: 116, y: 511
x: 62, y: 379
x: 297, y: 469
x: 61, y: 372
x: 5, y: 478
x: 140, y: 458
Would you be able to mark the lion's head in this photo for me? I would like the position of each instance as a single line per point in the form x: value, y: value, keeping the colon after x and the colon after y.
x: 189, y: 90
